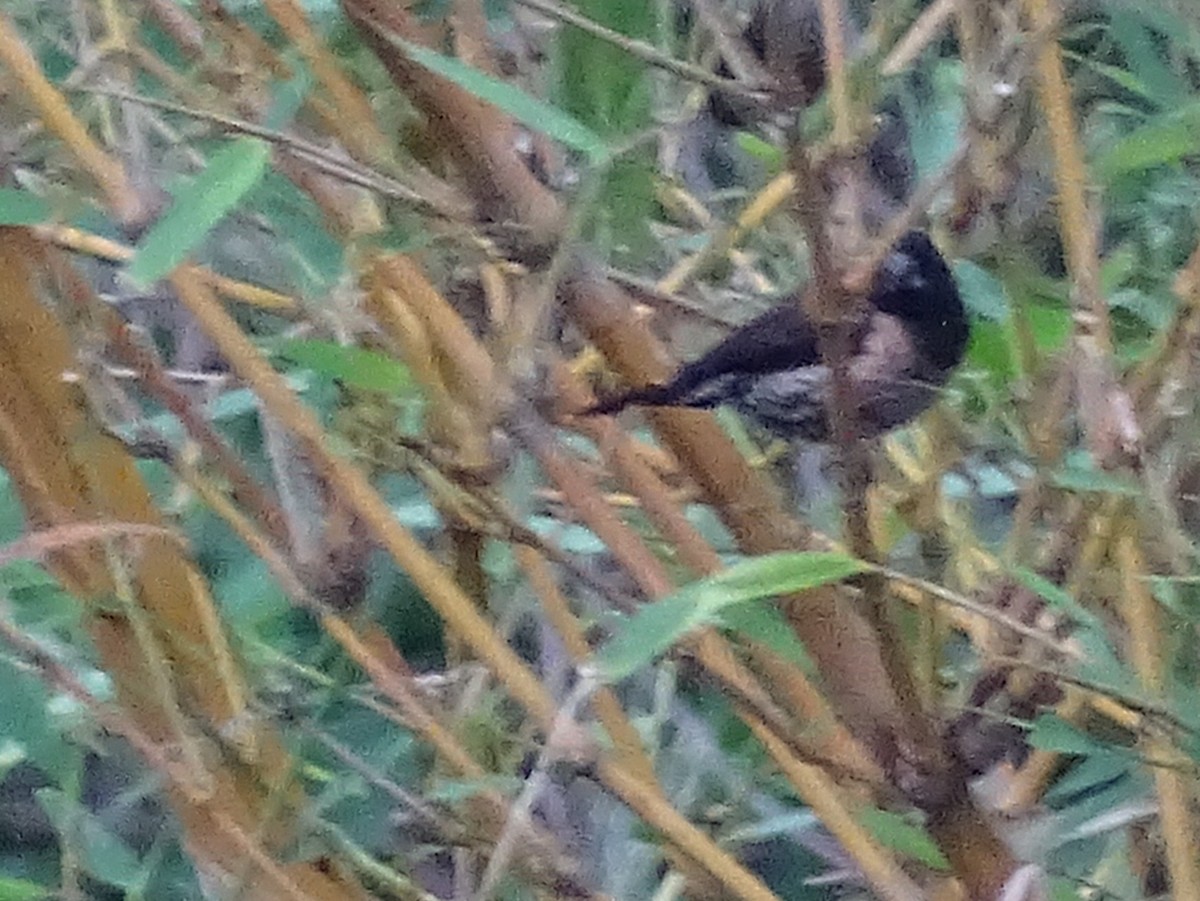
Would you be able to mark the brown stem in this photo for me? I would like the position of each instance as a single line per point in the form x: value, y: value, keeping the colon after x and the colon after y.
x: 477, y: 137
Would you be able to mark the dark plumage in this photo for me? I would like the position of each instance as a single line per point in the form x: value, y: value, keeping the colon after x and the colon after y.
x: 770, y: 368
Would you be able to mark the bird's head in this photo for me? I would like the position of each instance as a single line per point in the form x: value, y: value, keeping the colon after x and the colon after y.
x: 914, y: 282
x: 915, y: 285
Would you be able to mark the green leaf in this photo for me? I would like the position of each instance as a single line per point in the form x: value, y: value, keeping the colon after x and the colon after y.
x: 1079, y: 473
x: 935, y: 125
x: 1145, y: 59
x: 1122, y: 78
x: 21, y: 890
x: 353, y: 366
x: 761, y: 622
x: 599, y: 83
x: 1100, y: 663
x: 982, y: 292
x: 1058, y: 598
x: 19, y: 207
x: 754, y: 146
x: 659, y: 625
x: 104, y: 855
x: 777, y: 826
x: 231, y: 172
x: 1090, y: 816
x: 526, y: 109
x: 289, y: 96
x: 39, y: 601
x: 648, y: 633
x: 1063, y: 889
x: 1051, y: 733
x: 454, y: 791
x: 1051, y: 325
x: 1157, y: 143
x: 26, y: 722
x: 317, y: 259
x: 1088, y: 775
x: 1047, y: 590
x: 242, y: 401
x: 1156, y: 310
x: 1179, y: 594
x: 249, y: 596
x: 895, y: 832
x: 625, y: 207
x: 776, y: 574
x: 990, y: 350
x: 1119, y: 266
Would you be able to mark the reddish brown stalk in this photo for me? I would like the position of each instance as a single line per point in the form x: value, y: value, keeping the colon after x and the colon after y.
x: 476, y: 136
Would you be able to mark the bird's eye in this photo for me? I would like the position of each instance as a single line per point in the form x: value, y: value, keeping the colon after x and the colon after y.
x: 901, y: 269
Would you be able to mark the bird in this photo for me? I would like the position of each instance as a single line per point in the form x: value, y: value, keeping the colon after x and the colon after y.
x: 911, y: 338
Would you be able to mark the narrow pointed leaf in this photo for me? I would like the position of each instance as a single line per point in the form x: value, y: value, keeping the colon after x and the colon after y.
x: 526, y: 109
x: 895, y: 832
x: 213, y: 194
x: 658, y: 626
x: 19, y: 207
x: 354, y: 366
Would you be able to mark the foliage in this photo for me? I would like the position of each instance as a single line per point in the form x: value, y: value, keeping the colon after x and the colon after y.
x: 391, y: 625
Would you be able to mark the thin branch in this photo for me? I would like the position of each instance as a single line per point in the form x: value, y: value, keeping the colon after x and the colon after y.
x: 922, y: 33
x: 945, y: 595
x: 1143, y: 615
x: 78, y: 241
x: 520, y: 812
x: 647, y: 53
x: 833, y: 19
x: 54, y: 111
x: 355, y: 121
x: 321, y: 158
x: 744, y: 64
x: 1104, y: 406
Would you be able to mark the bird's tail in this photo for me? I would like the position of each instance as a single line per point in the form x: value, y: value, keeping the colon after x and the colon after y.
x: 651, y: 396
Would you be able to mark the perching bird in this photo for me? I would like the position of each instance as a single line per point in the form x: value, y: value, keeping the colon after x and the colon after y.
x: 770, y: 368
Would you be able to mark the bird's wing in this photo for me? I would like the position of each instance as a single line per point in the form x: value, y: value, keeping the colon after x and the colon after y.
x: 781, y: 338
